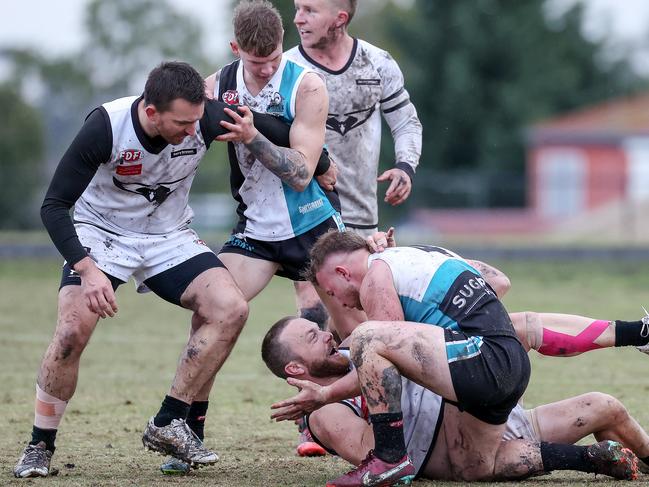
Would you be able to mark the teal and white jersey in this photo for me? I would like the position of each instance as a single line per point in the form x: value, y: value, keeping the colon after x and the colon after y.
x: 269, y: 209
x: 438, y: 287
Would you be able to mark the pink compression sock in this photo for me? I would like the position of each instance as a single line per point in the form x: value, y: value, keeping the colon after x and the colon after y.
x: 563, y: 345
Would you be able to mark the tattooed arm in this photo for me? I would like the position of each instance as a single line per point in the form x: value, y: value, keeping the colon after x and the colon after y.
x: 210, y: 83
x: 295, y: 165
x: 378, y: 296
x: 497, y: 279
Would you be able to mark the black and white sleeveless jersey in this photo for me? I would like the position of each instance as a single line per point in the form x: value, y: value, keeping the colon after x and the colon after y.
x: 129, y: 183
x: 138, y: 191
x: 369, y: 84
x: 269, y: 209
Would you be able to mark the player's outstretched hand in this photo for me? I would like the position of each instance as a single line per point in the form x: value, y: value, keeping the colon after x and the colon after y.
x: 242, y: 130
x: 96, y: 288
x: 310, y: 398
x: 400, y: 186
x: 379, y: 241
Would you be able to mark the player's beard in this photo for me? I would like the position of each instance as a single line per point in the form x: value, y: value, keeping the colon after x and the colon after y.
x: 334, y: 365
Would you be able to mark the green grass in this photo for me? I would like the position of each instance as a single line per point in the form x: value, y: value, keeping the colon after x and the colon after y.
x: 128, y: 366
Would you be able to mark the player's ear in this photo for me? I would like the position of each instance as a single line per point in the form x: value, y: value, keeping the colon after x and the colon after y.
x: 150, y: 111
x: 342, y: 272
x: 234, y: 47
x: 294, y: 369
x: 341, y: 19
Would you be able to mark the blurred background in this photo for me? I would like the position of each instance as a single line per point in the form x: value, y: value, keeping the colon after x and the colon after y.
x: 535, y: 112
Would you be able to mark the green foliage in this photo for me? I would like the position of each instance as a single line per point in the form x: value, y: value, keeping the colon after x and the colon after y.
x: 125, y: 39
x: 128, y: 38
x: 21, y: 149
x: 287, y: 10
x: 480, y: 71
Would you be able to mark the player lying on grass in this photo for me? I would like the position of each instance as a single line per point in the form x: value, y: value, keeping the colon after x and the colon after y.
x: 437, y: 322
x: 470, y: 355
x: 296, y: 348
x: 549, y: 333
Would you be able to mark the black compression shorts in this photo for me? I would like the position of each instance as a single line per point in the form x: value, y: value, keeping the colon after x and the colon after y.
x: 292, y: 254
x: 489, y: 382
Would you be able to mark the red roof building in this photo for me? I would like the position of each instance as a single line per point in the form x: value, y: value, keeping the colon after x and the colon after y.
x: 589, y: 158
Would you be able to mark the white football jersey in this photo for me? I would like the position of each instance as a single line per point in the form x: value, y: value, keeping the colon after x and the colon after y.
x: 369, y: 85
x: 137, y: 191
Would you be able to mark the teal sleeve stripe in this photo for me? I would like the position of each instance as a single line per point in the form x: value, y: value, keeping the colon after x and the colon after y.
x: 290, y: 76
x: 426, y: 312
x: 444, y: 278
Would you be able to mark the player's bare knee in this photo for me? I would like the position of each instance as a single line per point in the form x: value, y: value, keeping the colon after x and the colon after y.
x: 237, y: 310
x: 611, y: 407
x: 362, y: 337
x: 363, y: 341
x: 230, y: 311
x: 69, y: 342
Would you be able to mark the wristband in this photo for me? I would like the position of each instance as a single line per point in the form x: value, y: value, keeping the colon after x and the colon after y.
x: 407, y: 168
x: 323, y: 163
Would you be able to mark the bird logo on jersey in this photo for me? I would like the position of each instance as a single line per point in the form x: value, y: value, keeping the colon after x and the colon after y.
x: 275, y: 104
x: 231, y: 97
x: 156, y: 194
x: 348, y: 121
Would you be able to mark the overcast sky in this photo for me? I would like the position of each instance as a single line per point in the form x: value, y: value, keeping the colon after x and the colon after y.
x: 55, y: 27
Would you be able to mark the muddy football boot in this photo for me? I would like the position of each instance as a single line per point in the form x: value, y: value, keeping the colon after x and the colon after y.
x: 374, y: 472
x: 306, y: 447
x: 34, y: 462
x: 178, y: 440
x: 612, y: 459
x: 174, y: 466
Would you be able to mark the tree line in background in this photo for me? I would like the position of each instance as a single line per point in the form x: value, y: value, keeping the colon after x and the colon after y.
x: 478, y: 71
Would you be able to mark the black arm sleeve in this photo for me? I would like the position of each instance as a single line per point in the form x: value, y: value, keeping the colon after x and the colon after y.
x: 90, y: 148
x: 271, y: 127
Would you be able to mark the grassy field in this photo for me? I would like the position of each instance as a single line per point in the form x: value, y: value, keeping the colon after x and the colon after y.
x: 128, y: 366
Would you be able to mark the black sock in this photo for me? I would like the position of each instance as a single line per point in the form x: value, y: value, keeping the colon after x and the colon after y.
x: 171, y: 409
x: 389, y: 444
x: 196, y: 418
x: 47, y: 436
x: 629, y: 333
x: 556, y: 456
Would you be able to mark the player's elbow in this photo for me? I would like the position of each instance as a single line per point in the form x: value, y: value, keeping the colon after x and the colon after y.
x: 301, y: 177
x: 501, y: 285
